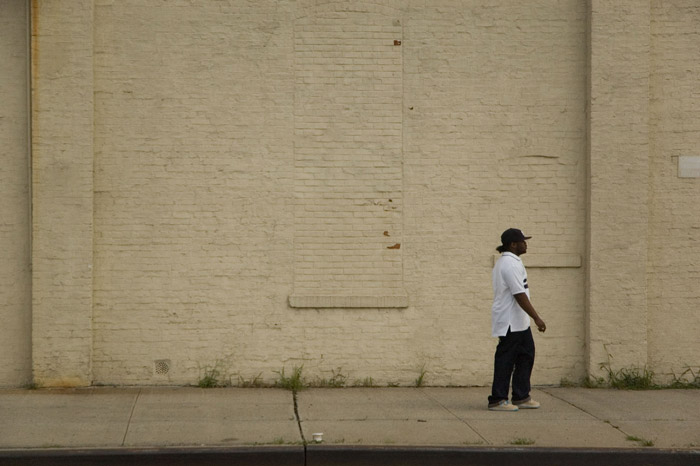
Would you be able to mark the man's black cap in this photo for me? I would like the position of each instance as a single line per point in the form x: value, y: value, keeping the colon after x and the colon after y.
x: 513, y: 235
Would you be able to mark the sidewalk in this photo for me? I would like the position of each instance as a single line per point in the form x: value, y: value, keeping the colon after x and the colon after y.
x: 138, y: 418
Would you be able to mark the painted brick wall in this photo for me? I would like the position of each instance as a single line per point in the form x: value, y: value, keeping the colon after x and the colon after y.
x: 674, y: 223
x: 193, y: 188
x: 494, y: 137
x: 348, y: 150
x: 246, y: 152
x: 259, y: 185
x: 619, y: 190
x: 15, y: 278
x: 62, y: 192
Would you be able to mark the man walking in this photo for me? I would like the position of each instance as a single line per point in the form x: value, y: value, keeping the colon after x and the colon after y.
x: 510, y: 322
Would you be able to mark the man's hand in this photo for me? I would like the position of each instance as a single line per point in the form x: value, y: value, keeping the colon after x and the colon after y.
x: 541, y: 326
x: 526, y: 305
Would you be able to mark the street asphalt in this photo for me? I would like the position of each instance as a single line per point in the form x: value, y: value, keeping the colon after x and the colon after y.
x: 187, y: 425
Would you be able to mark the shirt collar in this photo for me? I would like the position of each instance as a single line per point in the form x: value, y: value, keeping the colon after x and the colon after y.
x: 508, y: 253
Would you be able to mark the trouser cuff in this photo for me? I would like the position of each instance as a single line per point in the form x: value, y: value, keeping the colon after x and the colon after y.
x: 493, y: 404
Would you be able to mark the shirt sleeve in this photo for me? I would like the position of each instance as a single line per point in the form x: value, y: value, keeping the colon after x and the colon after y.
x: 513, y: 279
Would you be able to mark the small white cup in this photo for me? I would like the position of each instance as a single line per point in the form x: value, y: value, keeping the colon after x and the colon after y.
x: 318, y: 437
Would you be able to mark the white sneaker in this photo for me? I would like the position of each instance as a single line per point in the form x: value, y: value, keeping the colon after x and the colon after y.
x: 529, y: 404
x: 503, y: 405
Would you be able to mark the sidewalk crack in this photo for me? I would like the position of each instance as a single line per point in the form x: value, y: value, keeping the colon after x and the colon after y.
x: 463, y: 421
x: 605, y: 421
x: 543, y: 389
x: 298, y: 419
x: 131, y: 415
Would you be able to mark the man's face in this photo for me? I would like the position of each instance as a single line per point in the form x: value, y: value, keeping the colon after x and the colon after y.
x: 520, y: 247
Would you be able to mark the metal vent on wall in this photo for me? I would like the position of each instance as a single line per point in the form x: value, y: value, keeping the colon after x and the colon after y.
x: 162, y: 366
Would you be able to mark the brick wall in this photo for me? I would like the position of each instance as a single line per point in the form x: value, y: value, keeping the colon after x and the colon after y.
x: 674, y: 219
x: 335, y: 153
x: 348, y: 91
x: 15, y: 279
x: 259, y: 185
x: 62, y: 192
x: 494, y: 137
x: 619, y: 190
x: 193, y: 188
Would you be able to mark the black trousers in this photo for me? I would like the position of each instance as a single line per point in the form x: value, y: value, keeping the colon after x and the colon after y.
x: 515, y: 356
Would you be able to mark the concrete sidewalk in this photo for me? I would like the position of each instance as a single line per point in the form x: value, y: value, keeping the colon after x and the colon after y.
x: 140, y: 418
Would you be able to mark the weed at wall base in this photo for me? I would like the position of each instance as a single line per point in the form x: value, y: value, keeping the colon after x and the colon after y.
x: 337, y: 380
x: 688, y: 379
x: 366, y: 382
x: 210, y: 379
x: 294, y: 382
x: 634, y: 378
x: 421, y: 377
x: 255, y: 382
x: 215, y: 376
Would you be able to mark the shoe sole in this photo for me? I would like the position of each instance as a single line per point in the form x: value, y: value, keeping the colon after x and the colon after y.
x: 527, y: 407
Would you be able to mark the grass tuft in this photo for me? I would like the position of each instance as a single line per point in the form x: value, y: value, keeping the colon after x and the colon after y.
x: 687, y: 380
x: 294, y: 382
x: 210, y: 379
x: 337, y: 380
x: 255, y: 382
x: 366, y: 382
x: 643, y: 442
x: 633, y: 378
x: 421, y: 377
x: 216, y: 375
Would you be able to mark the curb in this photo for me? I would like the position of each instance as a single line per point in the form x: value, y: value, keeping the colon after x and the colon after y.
x: 180, y: 456
x: 316, y: 455
x: 408, y: 456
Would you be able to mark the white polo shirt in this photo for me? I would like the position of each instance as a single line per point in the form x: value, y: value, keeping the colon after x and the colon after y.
x: 509, y: 278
